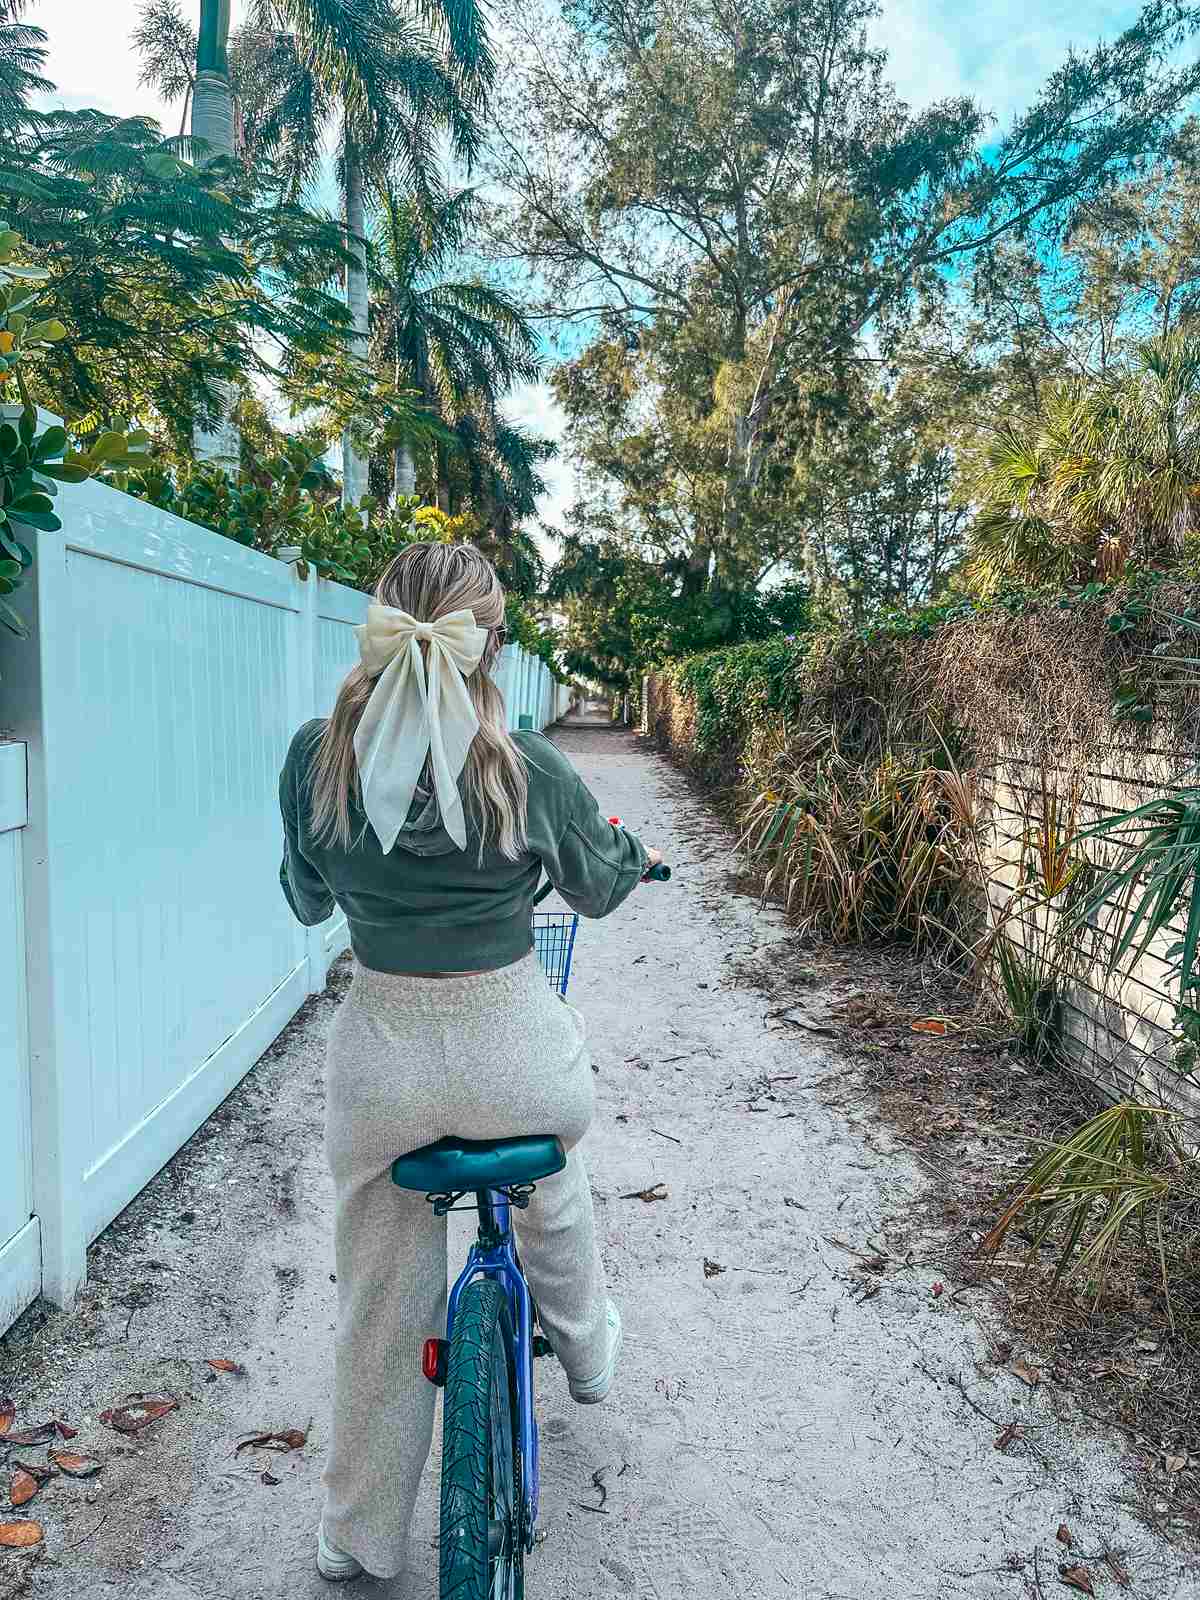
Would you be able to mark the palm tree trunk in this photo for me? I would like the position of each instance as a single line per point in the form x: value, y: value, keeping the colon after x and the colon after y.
x: 354, y: 462
x: 212, y: 121
x: 404, y: 472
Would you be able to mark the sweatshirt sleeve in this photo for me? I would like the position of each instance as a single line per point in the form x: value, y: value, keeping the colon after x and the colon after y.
x: 304, y: 888
x: 593, y: 864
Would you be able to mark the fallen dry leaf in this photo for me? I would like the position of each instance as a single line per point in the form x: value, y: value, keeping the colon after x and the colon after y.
x: 1118, y: 1571
x: 657, y: 1191
x: 1175, y: 1463
x: 1064, y: 1535
x: 223, y: 1364
x: 1076, y: 1578
x: 20, y: 1535
x: 8, y: 1413
x: 292, y: 1439
x: 929, y: 1025
x: 1116, y: 1369
x: 137, y: 1411
x: 38, y: 1435
x: 937, y: 1290
x: 711, y: 1268
x: 1008, y: 1434
x: 74, y: 1466
x: 65, y: 1430
x: 1026, y: 1373
x: 24, y: 1486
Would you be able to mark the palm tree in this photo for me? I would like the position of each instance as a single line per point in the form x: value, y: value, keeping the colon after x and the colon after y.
x: 393, y: 88
x: 1108, y: 469
x: 22, y: 55
x: 457, y: 342
x: 168, y: 45
x: 212, y: 129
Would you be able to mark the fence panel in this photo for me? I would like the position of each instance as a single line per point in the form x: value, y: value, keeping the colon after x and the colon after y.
x: 166, y: 671
x: 158, y: 724
x: 20, y: 1232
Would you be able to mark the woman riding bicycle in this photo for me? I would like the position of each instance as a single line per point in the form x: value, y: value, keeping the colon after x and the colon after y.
x: 430, y: 825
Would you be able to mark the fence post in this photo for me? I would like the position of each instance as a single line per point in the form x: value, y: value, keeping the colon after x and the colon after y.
x: 306, y: 706
x: 504, y: 682
x: 523, y: 682
x: 37, y: 709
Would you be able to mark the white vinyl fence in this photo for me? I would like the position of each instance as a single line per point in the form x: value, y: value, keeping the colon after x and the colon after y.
x: 166, y: 671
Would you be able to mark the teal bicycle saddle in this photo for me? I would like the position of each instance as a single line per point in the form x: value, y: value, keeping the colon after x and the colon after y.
x: 453, y: 1165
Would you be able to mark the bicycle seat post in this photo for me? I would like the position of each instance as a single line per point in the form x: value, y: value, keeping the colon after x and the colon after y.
x: 493, y: 1217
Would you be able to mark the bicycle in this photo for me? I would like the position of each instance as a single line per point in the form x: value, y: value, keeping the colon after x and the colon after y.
x: 489, y: 1490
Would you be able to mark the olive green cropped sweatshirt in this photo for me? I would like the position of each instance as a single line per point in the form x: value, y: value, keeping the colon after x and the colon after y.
x: 427, y: 906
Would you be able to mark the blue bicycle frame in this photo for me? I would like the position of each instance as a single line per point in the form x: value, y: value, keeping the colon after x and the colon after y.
x: 494, y: 1255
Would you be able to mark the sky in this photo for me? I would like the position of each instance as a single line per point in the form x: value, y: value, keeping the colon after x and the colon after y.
x: 996, y: 51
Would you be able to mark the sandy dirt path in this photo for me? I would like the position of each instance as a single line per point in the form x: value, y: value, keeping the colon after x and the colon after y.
x: 774, y: 1433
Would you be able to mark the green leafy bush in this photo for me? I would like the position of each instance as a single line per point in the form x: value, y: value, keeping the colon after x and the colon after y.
x: 287, y: 499
x: 31, y: 462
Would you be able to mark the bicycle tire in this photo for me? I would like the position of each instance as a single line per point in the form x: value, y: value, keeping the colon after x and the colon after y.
x: 481, y: 1550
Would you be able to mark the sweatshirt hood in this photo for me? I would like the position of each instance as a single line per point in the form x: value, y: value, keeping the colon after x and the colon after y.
x: 423, y: 833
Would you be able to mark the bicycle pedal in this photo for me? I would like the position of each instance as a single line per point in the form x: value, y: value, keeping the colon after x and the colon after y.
x: 541, y: 1345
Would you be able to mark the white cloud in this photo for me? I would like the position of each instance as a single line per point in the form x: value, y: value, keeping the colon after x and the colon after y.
x: 997, y: 51
x: 533, y: 405
x: 92, y: 60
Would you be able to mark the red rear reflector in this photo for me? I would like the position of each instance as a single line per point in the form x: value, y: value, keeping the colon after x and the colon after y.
x: 430, y: 1356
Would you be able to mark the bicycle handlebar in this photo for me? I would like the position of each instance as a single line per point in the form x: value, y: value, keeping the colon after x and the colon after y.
x: 659, y: 873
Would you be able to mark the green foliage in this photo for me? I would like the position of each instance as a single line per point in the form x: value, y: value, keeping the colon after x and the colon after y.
x: 742, y: 226
x: 1089, y: 1189
x: 32, y: 461
x: 525, y: 629
x: 737, y: 688
x: 286, y: 500
x: 458, y: 342
x: 134, y: 239
x: 1102, y: 475
x: 1155, y: 882
x: 627, y: 614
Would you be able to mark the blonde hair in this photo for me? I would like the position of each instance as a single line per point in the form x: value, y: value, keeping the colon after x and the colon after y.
x: 428, y: 581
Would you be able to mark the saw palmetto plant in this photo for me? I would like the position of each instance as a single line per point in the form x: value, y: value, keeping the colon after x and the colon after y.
x: 1084, y: 1193
x: 1105, y: 472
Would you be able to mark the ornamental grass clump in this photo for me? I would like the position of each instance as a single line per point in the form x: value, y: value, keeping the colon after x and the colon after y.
x: 862, y: 851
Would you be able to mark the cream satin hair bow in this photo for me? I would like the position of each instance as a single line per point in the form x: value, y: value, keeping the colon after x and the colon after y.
x: 410, y: 717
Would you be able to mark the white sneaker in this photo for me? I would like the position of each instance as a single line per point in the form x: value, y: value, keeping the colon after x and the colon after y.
x: 335, y: 1564
x: 590, y: 1391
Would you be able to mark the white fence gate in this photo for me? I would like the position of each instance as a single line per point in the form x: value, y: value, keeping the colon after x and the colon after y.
x: 167, y: 669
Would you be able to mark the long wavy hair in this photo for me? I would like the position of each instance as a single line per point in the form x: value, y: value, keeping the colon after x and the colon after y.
x: 429, y: 581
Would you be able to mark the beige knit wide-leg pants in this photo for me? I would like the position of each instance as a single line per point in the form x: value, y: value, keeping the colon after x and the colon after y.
x: 410, y: 1060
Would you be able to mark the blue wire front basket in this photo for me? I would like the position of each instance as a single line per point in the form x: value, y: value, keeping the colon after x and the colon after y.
x: 553, y: 942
